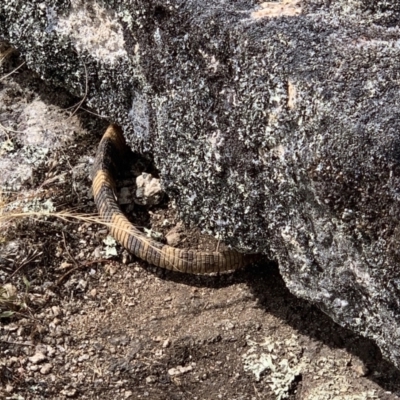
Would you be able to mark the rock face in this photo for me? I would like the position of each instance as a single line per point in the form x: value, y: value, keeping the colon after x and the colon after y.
x: 274, y: 126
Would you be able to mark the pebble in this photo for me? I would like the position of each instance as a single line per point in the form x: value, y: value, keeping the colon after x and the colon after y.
x: 83, y: 357
x: 12, y: 360
x: 229, y: 326
x: 97, y: 253
x: 151, y: 379
x: 179, y: 370
x: 82, y: 284
x: 56, y: 311
x: 173, y: 239
x: 69, y: 392
x: 50, y: 351
x: 41, y: 348
x: 46, y: 368
x: 10, y: 328
x: 9, y: 388
x: 37, y: 358
x: 148, y: 190
x: 359, y: 368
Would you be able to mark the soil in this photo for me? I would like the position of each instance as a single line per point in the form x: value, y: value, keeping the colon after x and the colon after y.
x: 79, y: 322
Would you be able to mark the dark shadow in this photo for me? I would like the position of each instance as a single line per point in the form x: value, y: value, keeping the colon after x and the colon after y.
x: 267, y: 285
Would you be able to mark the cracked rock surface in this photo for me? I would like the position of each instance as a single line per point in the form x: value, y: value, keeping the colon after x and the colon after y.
x: 274, y: 129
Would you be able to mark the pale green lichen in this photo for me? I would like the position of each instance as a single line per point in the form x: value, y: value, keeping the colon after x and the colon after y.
x: 111, y: 246
x: 264, y: 360
x: 37, y: 206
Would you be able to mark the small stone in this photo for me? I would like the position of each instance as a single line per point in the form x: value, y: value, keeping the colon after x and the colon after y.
x: 128, y: 394
x: 179, y: 370
x: 359, y: 368
x: 173, y: 239
x: 12, y: 361
x: 93, y: 293
x: 125, y: 257
x: 10, y: 328
x: 97, y: 253
x: 10, y: 290
x: 83, y: 357
x: 37, y: 358
x: 204, y: 376
x: 229, y: 326
x: 9, y: 388
x: 69, y: 392
x: 82, y: 284
x: 110, y: 269
x: 151, y: 379
x: 46, y: 368
x: 56, y: 311
x: 174, y: 236
x: 65, y: 265
x: 148, y: 190
x: 166, y: 343
x: 41, y: 348
x: 50, y: 351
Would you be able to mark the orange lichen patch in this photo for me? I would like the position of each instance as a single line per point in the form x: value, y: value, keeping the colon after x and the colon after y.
x: 292, y: 94
x: 278, y: 9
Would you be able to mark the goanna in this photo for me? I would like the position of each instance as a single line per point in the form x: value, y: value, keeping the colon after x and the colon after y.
x: 112, y: 148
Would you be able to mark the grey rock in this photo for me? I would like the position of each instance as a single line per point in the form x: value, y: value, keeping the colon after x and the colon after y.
x: 28, y: 145
x: 280, y: 135
x: 148, y: 189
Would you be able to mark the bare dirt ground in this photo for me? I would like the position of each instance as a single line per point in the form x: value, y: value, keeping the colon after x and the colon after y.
x: 79, y: 323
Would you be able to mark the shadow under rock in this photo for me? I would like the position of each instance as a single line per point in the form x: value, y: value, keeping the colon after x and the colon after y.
x: 268, y: 287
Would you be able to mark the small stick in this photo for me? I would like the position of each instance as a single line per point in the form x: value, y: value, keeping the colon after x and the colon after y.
x: 22, y: 266
x: 19, y: 344
x: 14, y: 70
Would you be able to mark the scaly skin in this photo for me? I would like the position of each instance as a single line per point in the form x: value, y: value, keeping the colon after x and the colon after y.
x: 113, y: 147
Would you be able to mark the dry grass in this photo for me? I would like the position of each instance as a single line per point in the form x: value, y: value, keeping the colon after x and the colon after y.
x: 7, y: 218
x: 2, y: 206
x: 12, y: 301
x: 4, y: 54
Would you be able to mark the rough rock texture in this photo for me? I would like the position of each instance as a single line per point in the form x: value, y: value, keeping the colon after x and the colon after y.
x: 148, y: 189
x: 279, y: 134
x: 32, y: 141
